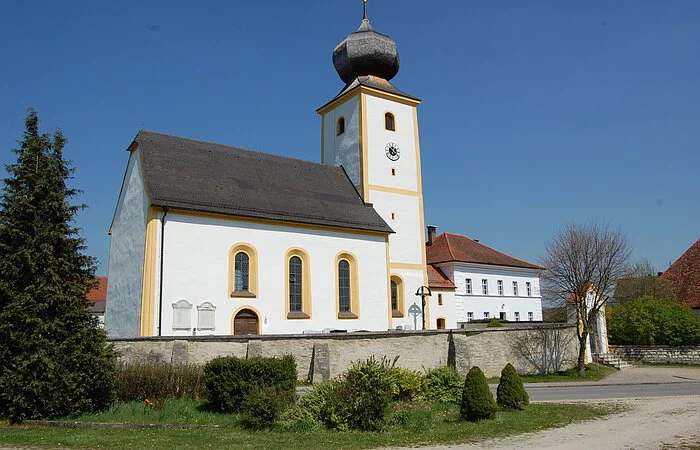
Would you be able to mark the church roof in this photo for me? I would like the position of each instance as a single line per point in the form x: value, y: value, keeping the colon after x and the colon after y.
x: 449, y: 247
x: 201, y: 176
x: 685, y: 273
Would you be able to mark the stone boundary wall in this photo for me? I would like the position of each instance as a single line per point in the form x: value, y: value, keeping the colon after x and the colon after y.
x: 658, y: 353
x: 530, y: 349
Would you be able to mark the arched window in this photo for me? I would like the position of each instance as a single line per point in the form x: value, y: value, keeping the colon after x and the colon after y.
x: 295, y: 284
x: 389, y: 122
x: 348, y: 299
x: 397, y: 306
x: 344, y: 286
x: 298, y: 284
x: 243, y: 271
x: 340, y: 126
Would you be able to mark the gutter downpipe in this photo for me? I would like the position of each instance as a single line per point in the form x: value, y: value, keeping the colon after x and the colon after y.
x: 160, y: 277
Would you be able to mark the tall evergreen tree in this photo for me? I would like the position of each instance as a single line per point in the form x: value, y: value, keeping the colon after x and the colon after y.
x: 54, y: 359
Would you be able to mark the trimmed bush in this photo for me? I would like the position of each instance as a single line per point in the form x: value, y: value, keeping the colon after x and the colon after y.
x: 511, y: 393
x: 443, y: 384
x: 477, y: 400
x: 367, y: 390
x: 159, y: 381
x: 407, y: 384
x: 495, y: 323
x: 229, y: 380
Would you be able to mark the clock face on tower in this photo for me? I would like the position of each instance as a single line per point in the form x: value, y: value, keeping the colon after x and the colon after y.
x: 392, y: 151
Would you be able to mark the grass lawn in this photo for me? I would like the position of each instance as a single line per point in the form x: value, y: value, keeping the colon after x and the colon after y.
x: 411, y: 423
x: 594, y: 372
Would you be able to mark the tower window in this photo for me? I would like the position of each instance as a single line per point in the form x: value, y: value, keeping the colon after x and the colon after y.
x: 389, y: 122
x: 340, y: 126
x: 393, y: 171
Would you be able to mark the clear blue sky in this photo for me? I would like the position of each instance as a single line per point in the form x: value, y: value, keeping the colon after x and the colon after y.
x: 535, y: 114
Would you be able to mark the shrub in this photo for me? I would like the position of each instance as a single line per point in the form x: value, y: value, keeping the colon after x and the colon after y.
x: 407, y: 385
x: 262, y: 408
x: 494, y: 323
x: 511, y: 392
x: 647, y: 321
x: 229, y: 380
x: 367, y: 390
x: 159, y: 381
x: 442, y: 384
x: 477, y: 400
x: 326, y: 405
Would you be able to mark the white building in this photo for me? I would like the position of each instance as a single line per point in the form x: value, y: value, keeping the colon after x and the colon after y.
x: 209, y: 239
x: 482, y: 283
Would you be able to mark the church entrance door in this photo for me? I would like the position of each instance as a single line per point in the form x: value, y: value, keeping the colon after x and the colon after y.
x: 245, y: 322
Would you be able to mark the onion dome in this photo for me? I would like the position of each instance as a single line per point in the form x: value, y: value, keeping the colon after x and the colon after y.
x: 366, y: 52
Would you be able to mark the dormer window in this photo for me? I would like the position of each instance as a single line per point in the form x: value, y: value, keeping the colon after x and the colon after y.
x: 389, y: 122
x: 340, y: 126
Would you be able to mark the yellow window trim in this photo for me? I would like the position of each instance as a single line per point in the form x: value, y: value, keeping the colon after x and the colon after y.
x: 354, y: 286
x: 305, y: 312
x: 399, y: 311
x: 338, y: 131
x: 252, y: 271
x: 393, y: 118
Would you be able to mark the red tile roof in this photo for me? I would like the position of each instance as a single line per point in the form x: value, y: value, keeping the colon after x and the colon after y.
x: 454, y: 247
x: 685, y: 273
x: 100, y: 292
x: 437, y: 279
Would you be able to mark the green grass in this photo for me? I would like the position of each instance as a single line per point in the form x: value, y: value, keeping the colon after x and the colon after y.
x: 594, y: 372
x: 411, y: 423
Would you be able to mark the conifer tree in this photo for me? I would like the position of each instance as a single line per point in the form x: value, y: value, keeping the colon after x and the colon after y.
x: 54, y: 360
x: 511, y: 393
x: 477, y: 400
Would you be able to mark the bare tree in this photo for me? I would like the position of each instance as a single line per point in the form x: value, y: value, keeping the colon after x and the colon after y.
x: 643, y: 279
x: 545, y: 349
x: 583, y: 263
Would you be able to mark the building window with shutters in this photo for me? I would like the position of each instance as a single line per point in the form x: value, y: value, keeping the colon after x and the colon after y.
x: 485, y: 286
x: 500, y: 287
x: 528, y: 288
x: 515, y: 288
x: 468, y: 285
x: 530, y: 316
x: 347, y: 295
x: 298, y: 284
x: 243, y: 271
x: 470, y: 316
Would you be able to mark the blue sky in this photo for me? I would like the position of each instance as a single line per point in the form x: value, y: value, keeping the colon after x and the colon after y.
x: 535, y: 114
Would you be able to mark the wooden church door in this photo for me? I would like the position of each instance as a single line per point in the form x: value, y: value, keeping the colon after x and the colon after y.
x: 245, y: 322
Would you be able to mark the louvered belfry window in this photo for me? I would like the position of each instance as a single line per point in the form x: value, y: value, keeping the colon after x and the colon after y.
x: 295, y: 284
x: 344, y: 286
x: 242, y: 268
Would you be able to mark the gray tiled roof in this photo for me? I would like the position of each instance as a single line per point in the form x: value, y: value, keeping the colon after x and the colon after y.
x: 194, y: 175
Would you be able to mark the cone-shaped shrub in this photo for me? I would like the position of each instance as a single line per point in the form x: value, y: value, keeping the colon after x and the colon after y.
x: 477, y: 400
x: 511, y: 392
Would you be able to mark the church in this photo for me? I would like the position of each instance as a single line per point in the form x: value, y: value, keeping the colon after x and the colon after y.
x: 209, y: 239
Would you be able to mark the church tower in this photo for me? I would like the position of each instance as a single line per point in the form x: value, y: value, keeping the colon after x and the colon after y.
x: 371, y: 129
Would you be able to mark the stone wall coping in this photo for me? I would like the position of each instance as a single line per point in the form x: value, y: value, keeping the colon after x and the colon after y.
x: 339, y: 336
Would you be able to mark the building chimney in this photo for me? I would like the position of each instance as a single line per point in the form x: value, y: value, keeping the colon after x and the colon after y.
x: 432, y: 230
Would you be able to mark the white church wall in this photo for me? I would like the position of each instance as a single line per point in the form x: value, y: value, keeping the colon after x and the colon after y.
x: 343, y: 149
x: 494, y: 302
x: 196, y: 269
x: 443, y: 305
x: 406, y: 244
x: 405, y: 175
x: 126, y: 254
x: 411, y: 281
